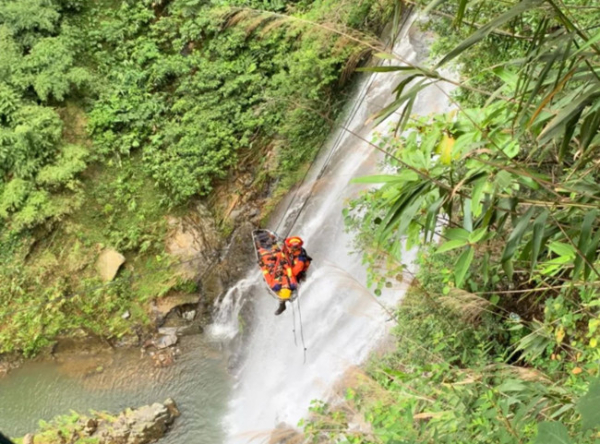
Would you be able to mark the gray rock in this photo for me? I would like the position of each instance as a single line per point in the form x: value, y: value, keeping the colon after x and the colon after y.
x: 165, y: 341
x: 108, y: 264
x: 189, y: 315
x: 168, y: 331
x: 90, y: 426
x: 253, y: 212
x: 172, y: 407
x: 184, y: 330
x: 128, y: 341
x: 149, y: 423
x: 235, y: 214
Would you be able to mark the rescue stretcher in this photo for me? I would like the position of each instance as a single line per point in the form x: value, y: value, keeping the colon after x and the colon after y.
x: 269, y: 241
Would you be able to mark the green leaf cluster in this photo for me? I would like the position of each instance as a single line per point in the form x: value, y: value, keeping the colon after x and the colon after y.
x: 509, y: 187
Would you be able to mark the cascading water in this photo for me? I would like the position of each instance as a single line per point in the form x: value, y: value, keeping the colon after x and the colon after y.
x: 341, y: 319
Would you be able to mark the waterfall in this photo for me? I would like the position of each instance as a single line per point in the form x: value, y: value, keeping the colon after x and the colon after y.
x: 342, y: 320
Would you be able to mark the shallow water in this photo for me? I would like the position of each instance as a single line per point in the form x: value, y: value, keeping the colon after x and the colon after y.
x: 198, y: 382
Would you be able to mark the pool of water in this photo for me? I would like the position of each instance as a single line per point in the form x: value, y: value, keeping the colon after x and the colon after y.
x: 198, y: 382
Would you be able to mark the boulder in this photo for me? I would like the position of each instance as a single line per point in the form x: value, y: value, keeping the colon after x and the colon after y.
x: 165, y: 341
x: 172, y: 407
x: 108, y: 264
x: 90, y: 427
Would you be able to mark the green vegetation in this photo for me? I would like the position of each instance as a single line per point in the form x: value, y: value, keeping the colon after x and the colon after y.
x: 65, y: 427
x: 114, y: 114
x: 455, y: 378
x: 499, y: 341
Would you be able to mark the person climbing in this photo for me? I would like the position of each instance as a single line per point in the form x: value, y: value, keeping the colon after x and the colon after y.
x: 299, y: 259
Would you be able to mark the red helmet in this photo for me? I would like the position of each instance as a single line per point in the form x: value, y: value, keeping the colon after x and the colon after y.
x: 293, y: 241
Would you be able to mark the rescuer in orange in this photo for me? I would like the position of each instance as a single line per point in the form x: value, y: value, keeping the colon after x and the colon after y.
x: 278, y: 274
x: 299, y: 259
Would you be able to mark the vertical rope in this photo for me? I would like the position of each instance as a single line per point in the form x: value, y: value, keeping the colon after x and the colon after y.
x: 294, y: 324
x: 301, y: 330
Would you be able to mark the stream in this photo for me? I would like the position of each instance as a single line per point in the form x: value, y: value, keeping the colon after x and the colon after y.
x: 337, y: 319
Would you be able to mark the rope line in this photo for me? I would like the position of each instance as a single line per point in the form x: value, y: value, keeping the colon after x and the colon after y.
x: 294, y: 324
x: 334, y: 149
x: 301, y: 331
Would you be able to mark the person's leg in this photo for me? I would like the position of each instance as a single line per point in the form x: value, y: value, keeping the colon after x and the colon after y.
x: 280, y: 309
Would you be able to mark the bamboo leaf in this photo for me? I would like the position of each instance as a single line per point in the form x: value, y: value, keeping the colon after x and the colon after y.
x: 539, y: 226
x: 478, y: 187
x: 378, y: 178
x: 396, y: 214
x: 567, y: 113
x: 477, y: 235
x: 592, y: 40
x: 589, y: 128
x: 460, y: 13
x: 590, y: 255
x: 515, y: 236
x: 457, y: 233
x: 397, y: 103
x: 584, y: 240
x: 451, y: 245
x: 462, y: 266
x: 386, y: 69
x: 485, y: 30
x: 562, y: 249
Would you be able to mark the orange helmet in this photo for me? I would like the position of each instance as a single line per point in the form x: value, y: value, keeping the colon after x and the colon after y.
x: 293, y: 241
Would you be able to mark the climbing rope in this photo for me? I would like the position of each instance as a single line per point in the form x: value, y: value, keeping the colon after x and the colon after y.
x: 335, y: 146
x: 301, y: 331
x: 322, y: 171
x: 294, y: 324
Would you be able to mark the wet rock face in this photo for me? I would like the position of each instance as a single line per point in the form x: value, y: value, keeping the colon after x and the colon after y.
x: 193, y: 241
x: 235, y: 262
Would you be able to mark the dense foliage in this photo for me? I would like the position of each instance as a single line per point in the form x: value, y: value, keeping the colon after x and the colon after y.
x: 509, y: 182
x: 114, y: 114
x: 452, y: 379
